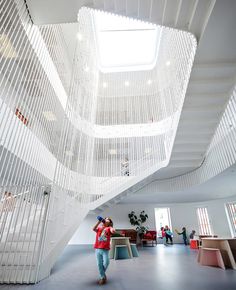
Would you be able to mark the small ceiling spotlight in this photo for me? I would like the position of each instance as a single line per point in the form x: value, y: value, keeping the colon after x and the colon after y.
x: 126, y: 83
x: 79, y: 36
x: 168, y: 63
x: 104, y: 85
x: 149, y: 82
x: 86, y: 69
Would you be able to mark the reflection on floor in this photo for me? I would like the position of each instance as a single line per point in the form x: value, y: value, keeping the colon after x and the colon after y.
x: 162, y: 267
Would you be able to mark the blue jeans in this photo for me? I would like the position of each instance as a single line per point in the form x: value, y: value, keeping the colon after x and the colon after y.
x: 103, y: 261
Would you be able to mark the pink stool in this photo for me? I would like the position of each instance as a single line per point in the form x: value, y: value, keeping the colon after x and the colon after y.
x: 194, y: 244
x: 210, y: 257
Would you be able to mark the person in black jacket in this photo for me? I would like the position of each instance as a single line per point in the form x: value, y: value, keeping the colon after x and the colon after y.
x: 184, y: 233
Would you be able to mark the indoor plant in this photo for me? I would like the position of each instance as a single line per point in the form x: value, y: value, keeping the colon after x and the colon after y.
x: 138, y: 222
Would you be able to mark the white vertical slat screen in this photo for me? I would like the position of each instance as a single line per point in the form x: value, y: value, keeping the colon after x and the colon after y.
x: 203, y: 221
x: 31, y: 112
x: 63, y: 137
x: 60, y: 106
x: 231, y: 211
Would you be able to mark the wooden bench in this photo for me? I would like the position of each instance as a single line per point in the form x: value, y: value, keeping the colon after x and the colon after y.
x: 210, y: 257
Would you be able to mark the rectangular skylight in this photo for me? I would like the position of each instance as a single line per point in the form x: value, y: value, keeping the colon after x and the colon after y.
x: 125, y: 44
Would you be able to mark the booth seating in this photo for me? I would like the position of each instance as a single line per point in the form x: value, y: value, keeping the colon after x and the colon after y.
x: 131, y: 233
x: 121, y: 252
x: 149, y: 238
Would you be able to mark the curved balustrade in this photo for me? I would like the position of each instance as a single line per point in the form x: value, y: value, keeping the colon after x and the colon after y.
x: 41, y: 143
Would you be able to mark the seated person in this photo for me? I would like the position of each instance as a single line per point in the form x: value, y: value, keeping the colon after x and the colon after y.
x: 192, y: 235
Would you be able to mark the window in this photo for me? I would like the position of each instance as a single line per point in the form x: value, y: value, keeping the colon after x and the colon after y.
x: 162, y: 217
x: 125, y: 44
x: 231, y: 213
x: 203, y: 221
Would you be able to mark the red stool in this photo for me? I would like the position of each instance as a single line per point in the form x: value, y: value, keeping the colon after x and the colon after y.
x: 194, y: 244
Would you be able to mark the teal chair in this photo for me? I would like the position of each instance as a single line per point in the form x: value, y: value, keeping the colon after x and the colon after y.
x: 134, y: 250
x: 121, y: 252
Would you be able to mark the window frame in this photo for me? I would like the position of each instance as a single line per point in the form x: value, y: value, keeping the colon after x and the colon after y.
x: 230, y: 217
x: 204, y: 222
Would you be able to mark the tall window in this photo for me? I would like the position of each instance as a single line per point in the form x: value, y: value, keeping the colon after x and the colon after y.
x: 203, y: 221
x: 231, y: 213
x: 162, y: 217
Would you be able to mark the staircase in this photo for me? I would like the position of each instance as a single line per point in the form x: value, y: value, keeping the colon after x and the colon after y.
x: 23, y: 219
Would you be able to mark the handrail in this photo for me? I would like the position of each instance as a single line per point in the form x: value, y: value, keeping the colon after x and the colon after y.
x: 13, y: 196
x: 106, y: 184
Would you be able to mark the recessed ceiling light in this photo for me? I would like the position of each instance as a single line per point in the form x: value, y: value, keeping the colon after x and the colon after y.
x: 79, y: 36
x: 86, y: 69
x: 149, y: 82
x: 49, y: 115
x: 168, y: 63
x: 126, y: 83
x: 147, y: 150
x: 104, y: 85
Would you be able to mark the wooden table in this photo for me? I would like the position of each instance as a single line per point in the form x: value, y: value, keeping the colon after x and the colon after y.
x: 227, y: 247
x: 120, y: 241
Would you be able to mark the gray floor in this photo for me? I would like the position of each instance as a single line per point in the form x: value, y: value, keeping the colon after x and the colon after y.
x: 173, y: 267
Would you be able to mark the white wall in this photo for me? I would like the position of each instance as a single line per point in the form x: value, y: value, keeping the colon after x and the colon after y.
x: 181, y: 215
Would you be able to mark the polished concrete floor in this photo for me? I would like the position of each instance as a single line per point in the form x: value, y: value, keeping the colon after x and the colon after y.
x: 162, y: 267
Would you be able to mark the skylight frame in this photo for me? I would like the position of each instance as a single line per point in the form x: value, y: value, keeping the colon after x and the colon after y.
x: 141, y: 27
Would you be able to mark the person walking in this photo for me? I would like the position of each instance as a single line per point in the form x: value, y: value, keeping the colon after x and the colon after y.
x: 125, y: 167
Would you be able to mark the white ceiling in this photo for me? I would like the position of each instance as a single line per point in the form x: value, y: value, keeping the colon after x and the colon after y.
x: 212, y: 78
x: 221, y: 186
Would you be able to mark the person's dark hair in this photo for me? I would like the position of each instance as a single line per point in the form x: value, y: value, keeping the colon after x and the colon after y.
x: 110, y: 220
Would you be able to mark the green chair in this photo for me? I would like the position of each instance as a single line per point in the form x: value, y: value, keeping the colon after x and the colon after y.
x: 121, y: 252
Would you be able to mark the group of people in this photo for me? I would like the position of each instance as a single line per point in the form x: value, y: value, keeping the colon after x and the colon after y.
x: 7, y: 203
x: 104, y: 229
x: 125, y: 167
x: 184, y: 234
x: 167, y: 234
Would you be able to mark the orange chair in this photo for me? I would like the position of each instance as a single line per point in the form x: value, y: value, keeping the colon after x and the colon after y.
x: 194, y: 244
